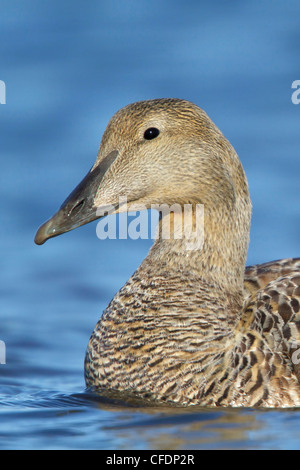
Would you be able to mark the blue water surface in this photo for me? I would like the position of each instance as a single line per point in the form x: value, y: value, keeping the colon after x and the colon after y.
x: 68, y: 66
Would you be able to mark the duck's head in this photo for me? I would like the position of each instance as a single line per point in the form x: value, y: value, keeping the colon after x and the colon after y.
x: 163, y: 151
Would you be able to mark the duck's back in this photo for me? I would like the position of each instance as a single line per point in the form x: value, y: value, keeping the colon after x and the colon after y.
x: 259, y: 275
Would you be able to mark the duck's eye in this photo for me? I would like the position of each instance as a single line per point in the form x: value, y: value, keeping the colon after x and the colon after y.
x: 151, y: 133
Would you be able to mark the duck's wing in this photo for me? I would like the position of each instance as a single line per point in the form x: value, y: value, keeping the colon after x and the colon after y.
x: 271, y: 321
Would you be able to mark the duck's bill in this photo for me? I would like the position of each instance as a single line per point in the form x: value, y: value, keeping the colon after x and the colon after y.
x: 79, y: 208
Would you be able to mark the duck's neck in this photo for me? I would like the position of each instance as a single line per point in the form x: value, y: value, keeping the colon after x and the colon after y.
x: 216, y: 251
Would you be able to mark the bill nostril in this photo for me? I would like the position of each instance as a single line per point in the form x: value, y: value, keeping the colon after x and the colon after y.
x: 78, y: 206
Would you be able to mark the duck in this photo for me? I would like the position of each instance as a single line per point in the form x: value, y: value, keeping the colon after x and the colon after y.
x: 193, y: 325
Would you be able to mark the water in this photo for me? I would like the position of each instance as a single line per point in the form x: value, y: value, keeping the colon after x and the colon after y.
x: 67, y: 69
